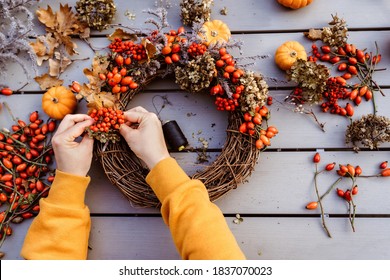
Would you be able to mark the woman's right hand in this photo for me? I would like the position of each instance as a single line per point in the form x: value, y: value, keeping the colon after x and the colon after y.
x: 143, y: 133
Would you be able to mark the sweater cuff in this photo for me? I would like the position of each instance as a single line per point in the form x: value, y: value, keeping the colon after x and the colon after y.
x: 165, y: 177
x: 68, y: 189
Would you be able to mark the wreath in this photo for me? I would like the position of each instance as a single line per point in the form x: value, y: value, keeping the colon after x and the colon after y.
x: 199, y: 61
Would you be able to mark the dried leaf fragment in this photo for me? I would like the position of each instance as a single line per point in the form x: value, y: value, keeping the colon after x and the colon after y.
x: 46, y: 81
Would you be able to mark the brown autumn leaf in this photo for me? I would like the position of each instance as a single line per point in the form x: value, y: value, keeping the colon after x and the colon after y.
x: 46, y: 81
x: 150, y: 50
x: 99, y: 65
x: 313, y: 34
x: 44, y: 47
x: 123, y: 35
x: 47, y: 17
x: 103, y: 99
x: 63, y: 24
x: 58, y: 65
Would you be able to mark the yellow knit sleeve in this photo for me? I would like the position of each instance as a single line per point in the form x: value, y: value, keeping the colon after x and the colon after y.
x: 61, y: 229
x: 198, y: 227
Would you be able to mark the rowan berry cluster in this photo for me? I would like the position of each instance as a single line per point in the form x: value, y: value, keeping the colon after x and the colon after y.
x: 25, y: 176
x: 107, y: 123
x: 196, y: 49
x: 128, y: 49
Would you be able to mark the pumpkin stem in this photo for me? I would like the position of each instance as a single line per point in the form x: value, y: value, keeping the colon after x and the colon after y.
x: 214, y: 33
x: 55, y: 100
x: 293, y: 54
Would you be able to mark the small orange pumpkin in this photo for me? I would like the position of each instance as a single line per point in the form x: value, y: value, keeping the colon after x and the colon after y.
x: 295, y: 4
x: 216, y: 31
x: 58, y: 101
x: 288, y: 53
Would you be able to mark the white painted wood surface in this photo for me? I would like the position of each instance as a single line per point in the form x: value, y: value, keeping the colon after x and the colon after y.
x: 276, y: 225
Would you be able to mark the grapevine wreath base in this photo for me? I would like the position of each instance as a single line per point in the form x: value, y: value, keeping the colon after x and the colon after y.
x: 234, y: 164
x: 133, y: 63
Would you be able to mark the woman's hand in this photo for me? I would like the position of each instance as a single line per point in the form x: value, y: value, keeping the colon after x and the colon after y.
x: 71, y: 156
x: 143, y: 133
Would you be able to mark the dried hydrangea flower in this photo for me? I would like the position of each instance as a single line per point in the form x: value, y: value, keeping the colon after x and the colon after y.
x: 195, y: 11
x: 311, y: 78
x: 370, y: 131
x: 197, y: 74
x: 98, y: 14
x: 255, y: 91
x: 336, y: 34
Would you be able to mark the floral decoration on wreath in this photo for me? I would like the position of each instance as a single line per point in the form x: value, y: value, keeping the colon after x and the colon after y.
x: 200, y: 62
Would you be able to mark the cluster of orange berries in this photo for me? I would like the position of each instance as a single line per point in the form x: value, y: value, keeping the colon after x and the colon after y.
x: 118, y: 80
x: 172, y: 50
x: 106, y: 119
x: 226, y: 65
x: 128, y: 49
x: 252, y: 126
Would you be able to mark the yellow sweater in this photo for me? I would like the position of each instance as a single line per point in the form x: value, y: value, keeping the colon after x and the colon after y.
x: 199, y: 230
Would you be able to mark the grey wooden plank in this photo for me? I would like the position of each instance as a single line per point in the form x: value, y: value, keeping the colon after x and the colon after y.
x: 281, y: 183
x: 277, y: 238
x: 263, y: 45
x: 259, y: 16
x: 197, y: 117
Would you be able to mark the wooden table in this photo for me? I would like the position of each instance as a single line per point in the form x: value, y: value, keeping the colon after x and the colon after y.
x: 275, y: 223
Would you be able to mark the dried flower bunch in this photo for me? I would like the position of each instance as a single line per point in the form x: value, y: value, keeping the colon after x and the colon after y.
x: 370, y: 131
x: 197, y: 63
x: 197, y: 74
x: 335, y: 35
x: 195, y: 11
x: 334, y: 94
x: 16, y: 27
x: 312, y: 79
x: 98, y: 14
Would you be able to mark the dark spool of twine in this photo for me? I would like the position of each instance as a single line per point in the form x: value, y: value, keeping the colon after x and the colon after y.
x: 174, y: 136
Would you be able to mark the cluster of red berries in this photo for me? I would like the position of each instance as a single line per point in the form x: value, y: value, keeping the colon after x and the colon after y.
x: 106, y: 119
x: 118, y: 80
x: 25, y: 175
x: 196, y: 49
x: 128, y: 49
x: 226, y: 104
x: 350, y: 60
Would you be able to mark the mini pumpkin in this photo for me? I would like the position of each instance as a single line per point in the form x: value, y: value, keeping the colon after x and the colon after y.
x: 295, y: 4
x: 58, y: 101
x: 215, y: 31
x: 288, y: 53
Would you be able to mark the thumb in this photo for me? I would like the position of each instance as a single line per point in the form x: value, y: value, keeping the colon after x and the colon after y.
x: 126, y: 130
x: 87, y: 142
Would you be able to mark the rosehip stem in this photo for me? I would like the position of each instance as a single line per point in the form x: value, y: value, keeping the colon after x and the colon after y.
x: 320, y: 203
x: 331, y: 188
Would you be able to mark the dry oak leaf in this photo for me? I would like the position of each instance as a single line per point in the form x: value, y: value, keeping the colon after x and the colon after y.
x: 313, y: 34
x: 150, y: 50
x: 44, y: 47
x: 58, y: 65
x: 99, y: 66
x: 62, y: 24
x: 46, y: 81
x: 123, y: 35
